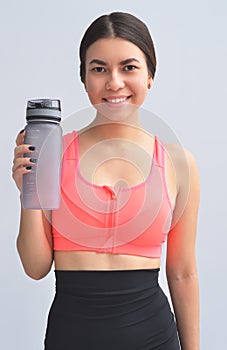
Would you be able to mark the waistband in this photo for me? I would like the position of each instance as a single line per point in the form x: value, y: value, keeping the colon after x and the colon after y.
x: 102, y: 281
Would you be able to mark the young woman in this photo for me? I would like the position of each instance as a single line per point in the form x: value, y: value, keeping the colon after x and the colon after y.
x: 123, y: 192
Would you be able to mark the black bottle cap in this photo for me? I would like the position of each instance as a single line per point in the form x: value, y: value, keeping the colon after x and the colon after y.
x: 50, y: 108
x: 44, y: 103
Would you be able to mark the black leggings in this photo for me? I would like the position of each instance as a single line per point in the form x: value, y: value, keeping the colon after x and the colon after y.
x: 110, y: 310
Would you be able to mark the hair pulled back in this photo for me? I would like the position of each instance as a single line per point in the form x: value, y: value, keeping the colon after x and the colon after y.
x: 119, y: 25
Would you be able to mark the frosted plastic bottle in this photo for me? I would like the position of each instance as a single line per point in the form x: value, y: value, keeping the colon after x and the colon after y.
x: 41, y: 186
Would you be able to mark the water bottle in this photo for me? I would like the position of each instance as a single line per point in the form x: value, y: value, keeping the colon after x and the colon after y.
x: 41, y: 186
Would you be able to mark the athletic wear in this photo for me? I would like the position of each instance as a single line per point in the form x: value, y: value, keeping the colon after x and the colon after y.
x: 114, y: 310
x: 111, y: 219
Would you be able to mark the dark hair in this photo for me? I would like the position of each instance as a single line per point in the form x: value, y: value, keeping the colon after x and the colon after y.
x: 119, y: 25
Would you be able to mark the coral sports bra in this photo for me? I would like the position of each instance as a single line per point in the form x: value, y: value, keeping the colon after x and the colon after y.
x: 111, y: 219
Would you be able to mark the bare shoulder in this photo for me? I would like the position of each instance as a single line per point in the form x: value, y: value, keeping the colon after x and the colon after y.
x: 179, y: 154
x: 182, y: 159
x: 188, y: 182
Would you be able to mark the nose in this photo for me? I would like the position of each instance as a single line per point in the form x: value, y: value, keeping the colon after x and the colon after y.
x: 115, y: 81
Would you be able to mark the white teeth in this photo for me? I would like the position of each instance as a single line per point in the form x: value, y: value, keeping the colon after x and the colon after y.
x: 118, y: 100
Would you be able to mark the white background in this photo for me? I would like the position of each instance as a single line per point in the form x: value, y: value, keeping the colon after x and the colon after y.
x: 39, y: 58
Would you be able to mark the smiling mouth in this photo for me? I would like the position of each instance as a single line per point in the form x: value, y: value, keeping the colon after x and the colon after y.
x: 116, y: 100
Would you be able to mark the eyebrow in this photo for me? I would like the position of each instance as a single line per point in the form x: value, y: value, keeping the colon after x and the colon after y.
x: 122, y: 63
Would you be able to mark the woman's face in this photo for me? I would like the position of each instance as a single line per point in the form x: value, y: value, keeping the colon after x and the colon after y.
x: 116, y: 73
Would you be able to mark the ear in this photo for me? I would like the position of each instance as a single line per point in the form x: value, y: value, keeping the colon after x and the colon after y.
x: 149, y: 82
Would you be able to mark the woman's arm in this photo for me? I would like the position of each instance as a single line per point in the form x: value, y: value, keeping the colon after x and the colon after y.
x: 181, y: 267
x: 34, y: 242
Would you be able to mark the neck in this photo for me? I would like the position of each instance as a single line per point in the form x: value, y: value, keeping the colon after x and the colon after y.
x: 116, y: 127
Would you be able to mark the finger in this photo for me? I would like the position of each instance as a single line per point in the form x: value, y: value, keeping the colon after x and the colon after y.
x: 16, y: 174
x: 23, y: 162
x: 23, y: 148
x: 20, y: 137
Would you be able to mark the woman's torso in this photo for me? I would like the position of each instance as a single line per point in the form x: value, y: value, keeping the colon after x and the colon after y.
x: 109, y: 172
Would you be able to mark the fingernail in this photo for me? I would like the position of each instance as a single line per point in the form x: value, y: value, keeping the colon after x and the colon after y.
x: 28, y: 167
x: 33, y: 160
x: 31, y: 148
x: 21, y: 131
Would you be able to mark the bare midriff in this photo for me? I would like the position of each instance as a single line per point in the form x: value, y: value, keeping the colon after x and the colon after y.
x: 102, y: 261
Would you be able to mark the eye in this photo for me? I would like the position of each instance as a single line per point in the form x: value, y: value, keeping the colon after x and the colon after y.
x: 98, y: 69
x: 129, y: 67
